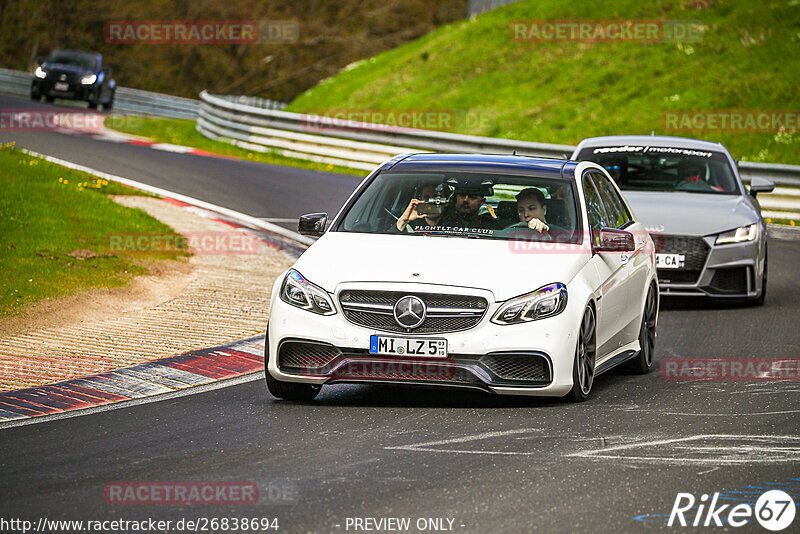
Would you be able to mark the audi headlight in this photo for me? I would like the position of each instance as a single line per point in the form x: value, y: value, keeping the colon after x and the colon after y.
x: 545, y: 302
x: 299, y: 292
x: 89, y: 79
x: 740, y: 235
x: 40, y: 72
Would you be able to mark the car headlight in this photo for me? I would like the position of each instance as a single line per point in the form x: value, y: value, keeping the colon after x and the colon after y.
x: 40, y: 72
x: 299, y: 292
x: 545, y: 302
x: 89, y: 79
x: 740, y: 235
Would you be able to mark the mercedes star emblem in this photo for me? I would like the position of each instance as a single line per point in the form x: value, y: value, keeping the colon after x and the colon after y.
x: 409, y: 312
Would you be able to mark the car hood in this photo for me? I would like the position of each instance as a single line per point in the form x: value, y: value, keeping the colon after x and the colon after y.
x: 491, y: 264
x: 61, y: 67
x: 690, y: 213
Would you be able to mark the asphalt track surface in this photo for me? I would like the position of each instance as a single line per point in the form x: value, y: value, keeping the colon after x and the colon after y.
x: 492, y: 464
x: 253, y: 188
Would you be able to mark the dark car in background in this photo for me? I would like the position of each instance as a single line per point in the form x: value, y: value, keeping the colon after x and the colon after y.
x: 710, y: 237
x: 74, y: 75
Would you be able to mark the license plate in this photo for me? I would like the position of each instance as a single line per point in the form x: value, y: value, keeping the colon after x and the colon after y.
x: 62, y: 86
x: 408, y: 346
x: 670, y: 261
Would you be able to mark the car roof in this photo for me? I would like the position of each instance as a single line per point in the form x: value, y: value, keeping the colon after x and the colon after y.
x: 483, y: 163
x: 649, y: 140
x: 76, y: 52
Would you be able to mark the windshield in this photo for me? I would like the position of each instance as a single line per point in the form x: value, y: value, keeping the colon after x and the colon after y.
x: 652, y: 168
x: 84, y: 61
x: 454, y: 204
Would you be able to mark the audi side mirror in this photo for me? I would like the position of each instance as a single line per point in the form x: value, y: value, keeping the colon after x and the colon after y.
x: 761, y: 185
x: 613, y: 240
x: 312, y: 224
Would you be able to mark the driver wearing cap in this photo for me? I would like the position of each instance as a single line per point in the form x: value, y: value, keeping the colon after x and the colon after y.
x: 466, y: 202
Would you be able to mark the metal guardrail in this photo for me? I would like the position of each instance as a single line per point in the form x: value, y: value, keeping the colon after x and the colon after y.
x: 476, y: 7
x: 225, y: 112
x: 355, y: 144
x: 786, y: 175
x: 360, y: 145
x: 138, y: 102
x: 126, y: 100
x: 254, y: 101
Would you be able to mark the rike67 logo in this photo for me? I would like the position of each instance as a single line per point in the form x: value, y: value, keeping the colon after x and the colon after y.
x: 774, y: 510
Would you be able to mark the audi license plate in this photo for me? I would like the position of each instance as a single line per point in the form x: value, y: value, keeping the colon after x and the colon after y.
x: 670, y: 261
x: 408, y: 346
x: 61, y: 86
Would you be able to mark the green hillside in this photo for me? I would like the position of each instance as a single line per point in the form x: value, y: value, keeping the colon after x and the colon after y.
x: 747, y: 58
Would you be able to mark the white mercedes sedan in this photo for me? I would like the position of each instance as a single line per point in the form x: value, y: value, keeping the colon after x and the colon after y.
x: 509, y: 274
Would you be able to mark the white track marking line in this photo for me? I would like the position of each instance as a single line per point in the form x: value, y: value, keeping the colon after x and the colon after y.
x: 167, y: 147
x: 235, y: 215
x: 427, y: 446
x: 740, y: 414
x: 761, y: 454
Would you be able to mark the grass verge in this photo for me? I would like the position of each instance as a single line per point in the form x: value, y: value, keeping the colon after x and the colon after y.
x: 783, y: 221
x: 495, y: 83
x: 183, y: 132
x: 55, y: 225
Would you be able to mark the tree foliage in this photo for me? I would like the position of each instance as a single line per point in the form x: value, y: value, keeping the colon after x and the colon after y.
x: 332, y: 34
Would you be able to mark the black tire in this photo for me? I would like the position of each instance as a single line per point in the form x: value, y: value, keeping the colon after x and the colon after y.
x: 643, y: 361
x: 35, y: 96
x: 49, y: 99
x: 291, y: 391
x: 585, y: 354
x: 92, y: 104
x: 759, y: 300
x: 108, y: 106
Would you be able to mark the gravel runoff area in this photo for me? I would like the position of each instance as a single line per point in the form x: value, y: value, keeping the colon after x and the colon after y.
x: 223, y: 296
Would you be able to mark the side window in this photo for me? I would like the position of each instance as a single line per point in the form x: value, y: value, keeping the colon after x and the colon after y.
x: 594, y: 208
x: 617, y: 214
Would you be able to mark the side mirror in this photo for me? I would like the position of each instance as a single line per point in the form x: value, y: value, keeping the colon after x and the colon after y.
x: 312, y: 224
x: 761, y: 185
x: 613, y: 240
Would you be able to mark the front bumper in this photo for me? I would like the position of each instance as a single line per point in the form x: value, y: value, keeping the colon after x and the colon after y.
x: 74, y: 91
x: 534, y: 358
x: 728, y: 271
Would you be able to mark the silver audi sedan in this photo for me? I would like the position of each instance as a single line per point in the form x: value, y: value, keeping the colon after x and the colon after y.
x: 710, y: 237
